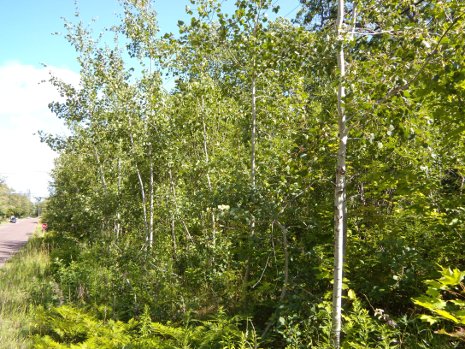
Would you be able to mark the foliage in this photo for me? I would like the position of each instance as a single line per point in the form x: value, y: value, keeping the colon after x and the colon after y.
x: 24, y: 283
x: 14, y: 204
x: 67, y: 327
x: 217, y: 195
x: 445, y: 299
x: 361, y: 329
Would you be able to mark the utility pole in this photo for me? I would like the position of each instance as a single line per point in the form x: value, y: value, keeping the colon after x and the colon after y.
x: 38, y: 203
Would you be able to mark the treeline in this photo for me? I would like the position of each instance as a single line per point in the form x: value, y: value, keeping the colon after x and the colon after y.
x: 14, y: 204
x: 215, y: 200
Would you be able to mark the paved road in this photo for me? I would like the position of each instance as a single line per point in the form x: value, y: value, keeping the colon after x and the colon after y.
x: 14, y: 235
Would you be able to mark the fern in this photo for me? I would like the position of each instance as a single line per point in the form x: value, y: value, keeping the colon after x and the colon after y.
x: 68, y: 327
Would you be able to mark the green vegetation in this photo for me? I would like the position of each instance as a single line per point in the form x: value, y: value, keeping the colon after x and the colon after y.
x: 69, y: 326
x: 14, y: 204
x: 24, y: 283
x: 445, y: 298
x: 203, y: 217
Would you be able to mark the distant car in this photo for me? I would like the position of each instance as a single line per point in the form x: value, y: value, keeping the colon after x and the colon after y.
x: 13, y: 219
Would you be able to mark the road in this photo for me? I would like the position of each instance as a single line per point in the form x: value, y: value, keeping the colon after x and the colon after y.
x: 14, y: 235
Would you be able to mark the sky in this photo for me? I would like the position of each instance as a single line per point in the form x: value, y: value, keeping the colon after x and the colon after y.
x: 32, y: 45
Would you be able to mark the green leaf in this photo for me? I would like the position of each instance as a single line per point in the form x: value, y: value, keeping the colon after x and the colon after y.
x: 451, y: 277
x: 429, y: 319
x: 446, y: 315
x: 351, y: 294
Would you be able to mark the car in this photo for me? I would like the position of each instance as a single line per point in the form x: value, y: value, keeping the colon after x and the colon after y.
x: 13, y: 219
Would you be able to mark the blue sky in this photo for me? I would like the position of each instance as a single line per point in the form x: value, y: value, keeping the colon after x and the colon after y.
x: 27, y: 27
x: 26, y: 42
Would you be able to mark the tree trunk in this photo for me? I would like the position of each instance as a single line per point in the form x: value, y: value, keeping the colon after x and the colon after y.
x: 151, y: 197
x: 118, y: 214
x: 141, y: 182
x: 254, y: 131
x: 100, y: 169
x: 207, y: 162
x: 252, y: 177
x: 205, y: 144
x: 174, y: 208
x: 340, y: 211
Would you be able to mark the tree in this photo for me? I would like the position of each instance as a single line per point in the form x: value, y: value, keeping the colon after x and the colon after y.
x: 340, y: 213
x: 14, y: 204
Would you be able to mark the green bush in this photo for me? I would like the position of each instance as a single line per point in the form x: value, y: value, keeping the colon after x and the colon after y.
x: 361, y: 330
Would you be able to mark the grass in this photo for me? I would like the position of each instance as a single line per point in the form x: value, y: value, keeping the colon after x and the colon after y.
x: 24, y: 284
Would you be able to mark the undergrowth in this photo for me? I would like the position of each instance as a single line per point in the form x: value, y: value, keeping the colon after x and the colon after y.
x: 69, y: 327
x: 24, y: 283
x: 48, y: 300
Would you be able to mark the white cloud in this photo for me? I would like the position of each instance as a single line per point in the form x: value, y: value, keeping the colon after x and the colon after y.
x: 25, y: 162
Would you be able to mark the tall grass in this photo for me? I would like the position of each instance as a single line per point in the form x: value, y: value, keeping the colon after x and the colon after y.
x: 24, y: 283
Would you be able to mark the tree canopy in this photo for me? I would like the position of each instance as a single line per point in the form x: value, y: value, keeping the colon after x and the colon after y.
x: 14, y: 204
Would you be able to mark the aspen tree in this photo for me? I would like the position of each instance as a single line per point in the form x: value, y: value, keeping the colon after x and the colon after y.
x: 340, y: 210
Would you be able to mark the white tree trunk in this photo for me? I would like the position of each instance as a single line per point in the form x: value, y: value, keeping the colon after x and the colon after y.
x: 207, y: 162
x: 151, y: 198
x: 205, y: 144
x: 118, y: 214
x: 141, y: 182
x: 340, y: 211
x: 100, y: 169
x: 174, y: 208
x: 254, y: 131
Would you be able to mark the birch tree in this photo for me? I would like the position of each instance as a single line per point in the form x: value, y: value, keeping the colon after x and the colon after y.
x: 340, y: 209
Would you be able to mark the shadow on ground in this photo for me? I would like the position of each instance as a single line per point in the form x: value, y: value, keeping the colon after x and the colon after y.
x: 8, y: 248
